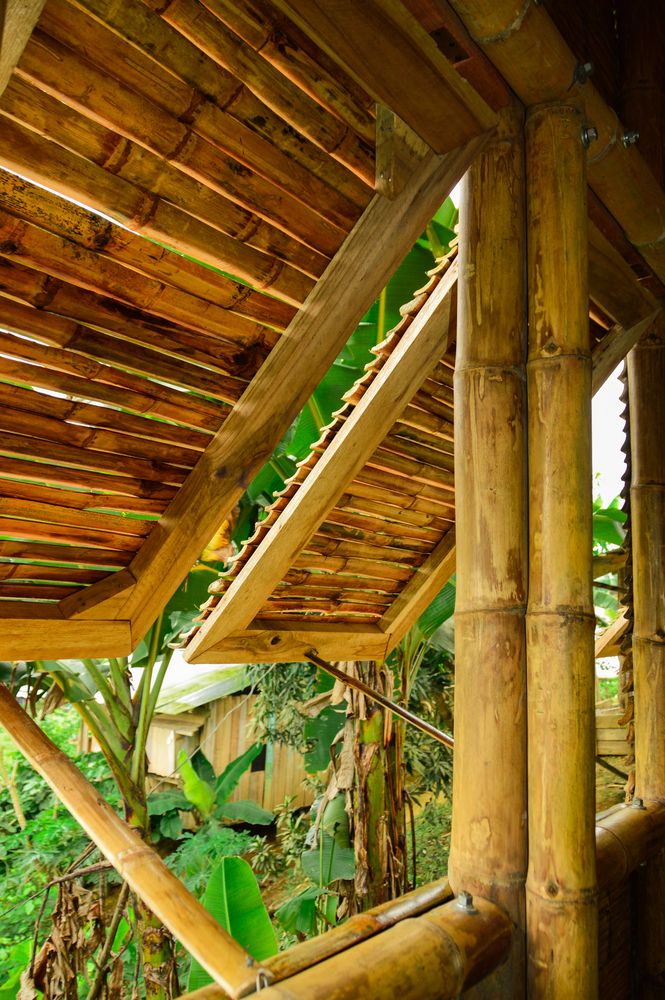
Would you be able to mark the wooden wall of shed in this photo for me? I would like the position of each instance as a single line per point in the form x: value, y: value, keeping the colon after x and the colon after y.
x: 227, y: 733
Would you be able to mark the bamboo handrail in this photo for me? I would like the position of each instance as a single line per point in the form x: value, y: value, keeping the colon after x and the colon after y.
x: 437, y: 954
x: 380, y: 699
x: 626, y: 837
x: 145, y: 872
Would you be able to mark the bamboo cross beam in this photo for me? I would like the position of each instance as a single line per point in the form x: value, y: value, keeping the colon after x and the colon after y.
x: 380, y: 699
x: 224, y: 959
x: 525, y: 46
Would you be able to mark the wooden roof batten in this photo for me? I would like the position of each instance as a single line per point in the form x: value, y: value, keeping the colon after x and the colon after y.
x: 73, y: 286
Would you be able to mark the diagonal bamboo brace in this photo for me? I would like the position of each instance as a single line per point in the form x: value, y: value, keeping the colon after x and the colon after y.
x: 223, y: 958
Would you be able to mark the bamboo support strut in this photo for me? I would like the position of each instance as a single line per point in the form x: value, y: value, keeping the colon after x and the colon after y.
x: 381, y: 699
x: 145, y: 872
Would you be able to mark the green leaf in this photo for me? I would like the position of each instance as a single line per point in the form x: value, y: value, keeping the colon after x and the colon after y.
x: 198, y: 792
x: 320, y: 732
x: 440, y: 610
x: 170, y: 826
x: 18, y: 956
x: 246, y: 812
x: 233, y: 772
x: 203, y: 767
x: 330, y: 860
x: 606, y: 530
x: 298, y: 915
x: 160, y: 803
x: 233, y: 898
x: 335, y: 821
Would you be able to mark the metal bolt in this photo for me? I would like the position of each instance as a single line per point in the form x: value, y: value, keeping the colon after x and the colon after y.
x: 465, y: 902
x: 630, y: 137
x: 582, y: 72
x: 589, y: 135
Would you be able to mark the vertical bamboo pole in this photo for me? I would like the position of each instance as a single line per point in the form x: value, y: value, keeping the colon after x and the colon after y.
x: 562, y: 923
x: 642, y: 35
x: 646, y: 375
x: 488, y: 849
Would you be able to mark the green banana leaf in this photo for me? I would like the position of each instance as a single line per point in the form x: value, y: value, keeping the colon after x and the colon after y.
x: 199, y: 793
x: 246, y: 811
x: 234, y: 900
x: 233, y: 772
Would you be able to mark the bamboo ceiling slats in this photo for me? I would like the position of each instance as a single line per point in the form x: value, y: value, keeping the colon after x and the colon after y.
x: 176, y: 77
x: 179, y: 290
x: 361, y: 555
x: 47, y: 65
x: 277, y: 92
x: 75, y: 176
x: 280, y: 42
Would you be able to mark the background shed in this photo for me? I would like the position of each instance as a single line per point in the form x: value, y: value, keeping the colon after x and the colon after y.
x: 212, y: 707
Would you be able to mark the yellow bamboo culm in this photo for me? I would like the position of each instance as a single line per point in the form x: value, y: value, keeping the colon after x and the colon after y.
x: 145, y: 872
x: 646, y: 380
x: 562, y: 921
x: 489, y: 848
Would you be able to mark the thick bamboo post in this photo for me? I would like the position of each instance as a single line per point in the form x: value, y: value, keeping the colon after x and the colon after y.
x: 489, y: 851
x: 561, y: 883
x: 141, y: 867
x: 646, y: 375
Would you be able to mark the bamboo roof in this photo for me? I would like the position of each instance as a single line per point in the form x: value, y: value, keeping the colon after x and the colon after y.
x: 198, y: 203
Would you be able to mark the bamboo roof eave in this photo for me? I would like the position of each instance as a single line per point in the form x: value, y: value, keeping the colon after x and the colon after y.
x: 85, y: 352
x: 419, y: 350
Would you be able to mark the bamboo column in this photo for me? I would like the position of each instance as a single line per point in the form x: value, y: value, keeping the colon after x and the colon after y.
x: 489, y: 849
x: 646, y: 374
x: 562, y: 922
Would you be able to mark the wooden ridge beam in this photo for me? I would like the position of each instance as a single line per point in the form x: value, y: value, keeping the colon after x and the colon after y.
x: 407, y: 72
x: 421, y: 346
x: 333, y: 309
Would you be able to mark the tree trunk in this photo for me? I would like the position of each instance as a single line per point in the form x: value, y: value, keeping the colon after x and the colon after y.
x: 378, y: 799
